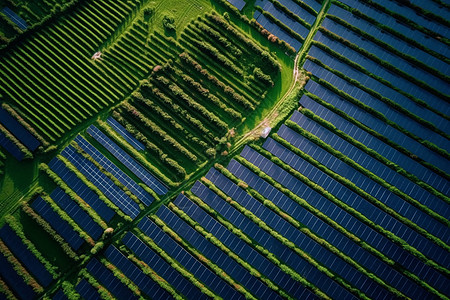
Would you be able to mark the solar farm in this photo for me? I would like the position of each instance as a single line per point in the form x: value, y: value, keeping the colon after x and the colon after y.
x: 224, y: 149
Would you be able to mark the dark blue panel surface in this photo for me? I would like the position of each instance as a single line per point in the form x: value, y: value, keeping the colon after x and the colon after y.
x: 20, y: 132
x: 14, y: 281
x: 125, y: 134
x: 87, y: 291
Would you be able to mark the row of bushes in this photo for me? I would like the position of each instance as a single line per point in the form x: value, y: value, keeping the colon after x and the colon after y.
x: 324, y: 243
x: 235, y: 115
x: 289, y: 13
x: 160, y: 133
x: 376, y: 77
x: 135, y: 154
x: 226, y: 88
x: 384, y: 64
x: 50, y: 231
x: 18, y: 229
x: 108, y: 174
x: 216, y: 242
x: 178, y: 110
x: 180, y: 94
x: 219, y: 38
x: 382, y: 117
x: 74, y: 196
x: 25, y: 124
x: 264, y: 78
x: 93, y: 187
x: 400, y: 35
x: 380, y: 97
x: 26, y: 153
x: 266, y: 57
x: 69, y: 290
x: 303, y: 203
x: 360, y: 191
x: 390, y: 48
x: 281, y: 25
x: 177, y: 266
x: 386, y: 162
x: 20, y: 269
x: 287, y: 243
x: 217, y: 270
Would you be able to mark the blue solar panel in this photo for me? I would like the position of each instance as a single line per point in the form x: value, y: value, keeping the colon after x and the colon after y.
x: 105, y: 277
x: 87, y: 291
x: 20, y: 132
x: 321, y: 228
x: 246, y: 252
x: 391, y: 154
x: 60, y: 295
x: 15, y: 18
x: 345, y: 219
x: 128, y: 161
x: 276, y: 30
x: 9, y: 146
x: 14, y: 281
x: 61, y: 226
x: 137, y: 190
x: 125, y: 134
x: 239, y: 4
x: 391, y: 114
x: 26, y: 257
x: 145, y: 283
x: 103, y: 183
x: 222, y: 260
x: 162, y: 268
x: 78, y: 186
x: 76, y: 213
x: 359, y: 203
x: 206, y: 276
x: 385, y: 73
x: 382, y: 128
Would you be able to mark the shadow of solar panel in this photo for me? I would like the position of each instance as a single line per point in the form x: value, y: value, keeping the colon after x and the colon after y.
x: 102, y: 182
x: 221, y: 259
x: 178, y: 253
x: 135, y: 274
x: 25, y: 256
x: 108, y: 280
x: 160, y: 266
x: 127, y: 160
x: 76, y: 213
x: 18, y: 130
x: 242, y: 249
x: 137, y: 190
x: 345, y: 219
x: 79, y: 187
x: 14, y: 281
x: 61, y: 226
x: 87, y: 291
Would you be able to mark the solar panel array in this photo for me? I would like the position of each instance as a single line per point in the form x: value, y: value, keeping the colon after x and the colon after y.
x: 127, y: 160
x: 25, y: 256
x: 58, y: 224
x: 178, y: 253
x: 109, y: 166
x: 239, y: 4
x: 14, y: 281
x: 125, y: 134
x: 60, y: 295
x: 87, y: 291
x: 21, y: 23
x: 18, y: 130
x: 9, y: 146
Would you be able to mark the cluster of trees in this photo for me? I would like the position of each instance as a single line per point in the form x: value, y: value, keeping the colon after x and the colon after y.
x: 169, y: 22
x: 264, y: 78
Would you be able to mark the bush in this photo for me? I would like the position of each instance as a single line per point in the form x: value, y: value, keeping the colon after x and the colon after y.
x: 169, y: 23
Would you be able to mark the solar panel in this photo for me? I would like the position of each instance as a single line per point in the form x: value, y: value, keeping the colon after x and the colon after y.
x: 81, y: 217
x: 137, y: 190
x: 135, y: 274
x: 160, y: 266
x: 14, y: 281
x: 125, y: 134
x: 15, y: 18
x: 26, y: 257
x: 108, y: 280
x: 60, y: 295
x: 20, y: 132
x: 87, y: 291
x: 102, y: 182
x: 9, y: 146
x: 205, y: 275
x: 221, y: 259
x: 239, y: 4
x: 343, y: 218
x: 276, y: 30
x: 61, y: 226
x: 246, y: 252
x: 127, y: 160
x: 79, y: 187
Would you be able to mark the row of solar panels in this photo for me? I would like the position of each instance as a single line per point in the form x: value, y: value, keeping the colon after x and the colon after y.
x: 20, y: 132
